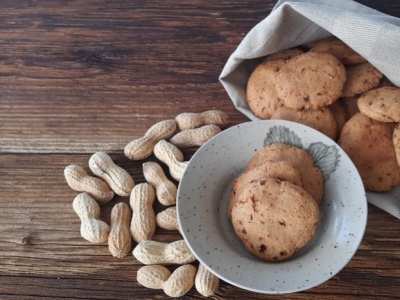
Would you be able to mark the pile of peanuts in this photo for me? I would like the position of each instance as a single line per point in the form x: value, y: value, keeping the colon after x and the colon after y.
x: 137, y: 221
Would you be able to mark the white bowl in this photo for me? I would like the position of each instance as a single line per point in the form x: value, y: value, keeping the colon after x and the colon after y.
x: 203, y: 197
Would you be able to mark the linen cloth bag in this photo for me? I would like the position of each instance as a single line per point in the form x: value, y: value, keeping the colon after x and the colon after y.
x: 374, y: 35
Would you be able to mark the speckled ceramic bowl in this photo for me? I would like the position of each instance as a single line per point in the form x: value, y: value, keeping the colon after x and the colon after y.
x: 203, y: 197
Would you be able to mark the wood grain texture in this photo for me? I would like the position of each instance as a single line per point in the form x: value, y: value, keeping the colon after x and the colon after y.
x: 79, y: 76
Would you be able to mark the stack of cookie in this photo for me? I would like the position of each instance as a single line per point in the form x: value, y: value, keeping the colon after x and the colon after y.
x: 328, y: 86
x: 371, y: 138
x: 274, y: 203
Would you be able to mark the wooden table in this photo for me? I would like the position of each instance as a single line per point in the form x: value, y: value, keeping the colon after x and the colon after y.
x: 80, y: 76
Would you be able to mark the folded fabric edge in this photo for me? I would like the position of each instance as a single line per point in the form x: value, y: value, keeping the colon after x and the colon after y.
x: 349, y: 5
x: 230, y: 84
x: 387, y: 202
x: 265, y: 30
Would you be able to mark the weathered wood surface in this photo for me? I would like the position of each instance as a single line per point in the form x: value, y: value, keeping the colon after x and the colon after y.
x: 81, y: 76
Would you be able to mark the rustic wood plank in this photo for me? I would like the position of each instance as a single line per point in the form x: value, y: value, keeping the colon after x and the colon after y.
x: 79, y: 76
x: 42, y: 252
x: 80, y: 79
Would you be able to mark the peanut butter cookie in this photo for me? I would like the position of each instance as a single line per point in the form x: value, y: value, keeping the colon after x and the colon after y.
x: 321, y: 119
x: 274, y: 218
x: 369, y: 144
x: 339, y: 114
x: 382, y: 104
x: 360, y: 79
x: 350, y: 106
x: 260, y: 93
x: 310, y: 81
x: 282, y: 170
x: 311, y: 175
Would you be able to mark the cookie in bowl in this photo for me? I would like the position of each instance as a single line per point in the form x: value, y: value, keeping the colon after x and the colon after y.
x: 205, y: 191
x: 274, y: 218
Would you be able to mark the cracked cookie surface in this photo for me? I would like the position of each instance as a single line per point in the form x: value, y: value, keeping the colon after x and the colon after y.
x: 369, y: 144
x: 282, y: 170
x: 274, y: 218
x: 321, y: 119
x: 310, y: 81
x: 260, y: 92
x: 382, y: 104
x: 311, y: 175
x: 360, y: 79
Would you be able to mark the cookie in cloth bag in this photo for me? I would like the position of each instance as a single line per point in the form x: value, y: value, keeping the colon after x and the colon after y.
x: 372, y: 34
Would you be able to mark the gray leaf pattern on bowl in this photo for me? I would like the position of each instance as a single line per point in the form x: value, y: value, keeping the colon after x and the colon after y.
x: 281, y: 134
x: 326, y: 158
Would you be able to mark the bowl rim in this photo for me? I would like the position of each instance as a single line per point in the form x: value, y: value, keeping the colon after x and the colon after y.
x: 187, y: 236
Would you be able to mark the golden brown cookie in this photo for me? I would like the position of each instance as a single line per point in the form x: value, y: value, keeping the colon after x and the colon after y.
x: 284, y: 54
x: 382, y: 104
x: 274, y: 218
x: 340, y: 50
x: 311, y: 175
x: 396, y: 142
x: 260, y: 91
x: 339, y: 114
x: 321, y: 119
x: 350, y: 106
x: 282, y: 170
x: 369, y: 144
x: 360, y: 79
x: 310, y: 81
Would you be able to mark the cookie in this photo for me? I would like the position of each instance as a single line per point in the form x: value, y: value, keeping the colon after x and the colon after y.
x: 382, y: 104
x: 396, y: 142
x: 321, y: 119
x: 360, y: 79
x: 311, y: 175
x: 282, y: 170
x: 260, y: 92
x: 310, y: 81
x: 284, y: 54
x: 369, y: 144
x: 340, y: 50
x: 350, y: 106
x: 339, y: 114
x: 274, y: 218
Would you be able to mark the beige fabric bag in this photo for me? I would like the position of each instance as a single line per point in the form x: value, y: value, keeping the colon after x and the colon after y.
x: 374, y: 35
